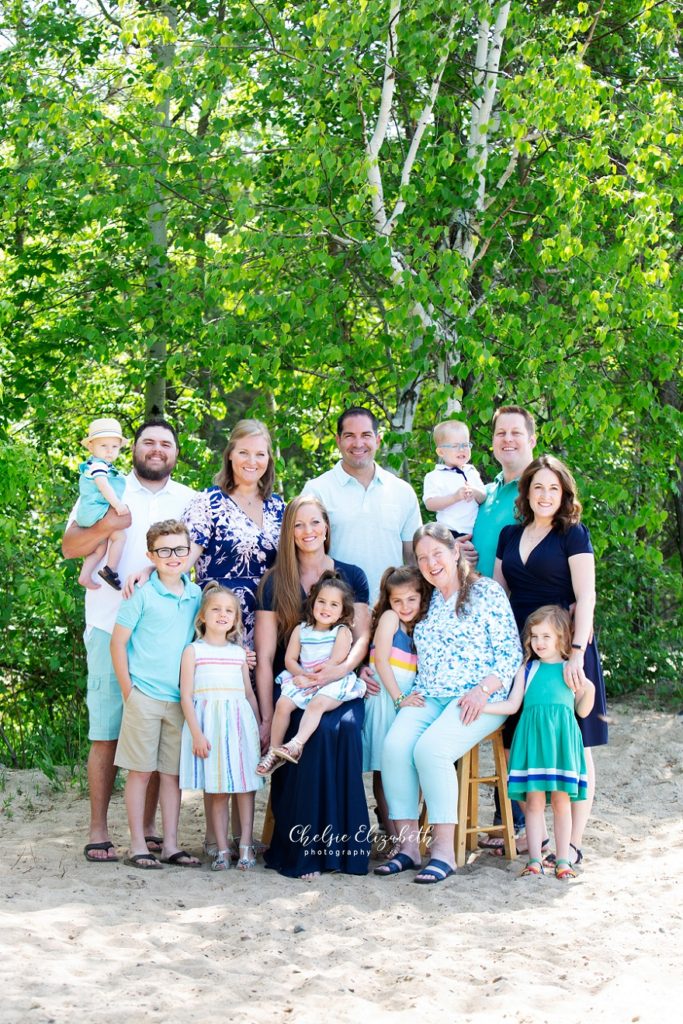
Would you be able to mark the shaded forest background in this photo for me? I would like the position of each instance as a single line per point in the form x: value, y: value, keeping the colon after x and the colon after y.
x: 278, y: 208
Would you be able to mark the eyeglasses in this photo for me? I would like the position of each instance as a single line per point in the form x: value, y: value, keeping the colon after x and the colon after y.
x: 461, y: 446
x: 180, y: 552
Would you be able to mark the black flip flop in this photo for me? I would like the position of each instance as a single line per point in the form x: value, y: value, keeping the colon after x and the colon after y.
x: 99, y: 846
x: 136, y: 859
x: 177, y: 859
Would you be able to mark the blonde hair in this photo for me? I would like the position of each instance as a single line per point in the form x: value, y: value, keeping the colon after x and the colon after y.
x: 225, y: 479
x: 232, y: 635
x: 559, y: 620
x: 442, y: 430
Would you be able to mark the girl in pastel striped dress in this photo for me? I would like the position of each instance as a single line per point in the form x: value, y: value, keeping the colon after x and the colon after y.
x: 220, y: 741
x: 403, y: 601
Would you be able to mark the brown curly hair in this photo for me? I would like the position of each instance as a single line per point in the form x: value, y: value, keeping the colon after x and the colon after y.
x: 569, y: 512
x: 331, y: 579
x: 401, y: 576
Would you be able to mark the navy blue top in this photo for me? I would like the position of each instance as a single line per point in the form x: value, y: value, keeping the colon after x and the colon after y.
x: 546, y: 579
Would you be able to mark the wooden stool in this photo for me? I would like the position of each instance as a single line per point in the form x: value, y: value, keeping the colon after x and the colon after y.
x: 268, y: 824
x: 469, y: 780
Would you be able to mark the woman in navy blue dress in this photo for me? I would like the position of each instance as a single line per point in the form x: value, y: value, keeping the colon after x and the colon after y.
x: 548, y: 559
x: 319, y: 805
x: 235, y: 525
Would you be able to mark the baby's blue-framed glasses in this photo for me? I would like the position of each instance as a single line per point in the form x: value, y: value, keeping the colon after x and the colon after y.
x: 461, y: 446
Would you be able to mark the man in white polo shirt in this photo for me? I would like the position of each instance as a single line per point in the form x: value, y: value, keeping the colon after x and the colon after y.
x: 151, y: 496
x: 373, y: 513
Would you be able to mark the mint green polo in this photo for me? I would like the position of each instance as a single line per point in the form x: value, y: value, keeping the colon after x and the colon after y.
x: 162, y: 626
x: 497, y: 511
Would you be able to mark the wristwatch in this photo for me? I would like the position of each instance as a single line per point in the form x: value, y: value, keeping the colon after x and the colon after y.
x: 485, y: 689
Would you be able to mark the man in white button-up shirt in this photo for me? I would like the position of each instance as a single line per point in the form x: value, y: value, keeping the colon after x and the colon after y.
x: 373, y: 513
x: 151, y: 496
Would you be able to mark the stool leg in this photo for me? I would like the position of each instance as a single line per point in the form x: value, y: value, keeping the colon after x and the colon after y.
x: 473, y: 802
x: 463, y: 805
x: 505, y: 807
x: 423, y: 826
x: 268, y: 824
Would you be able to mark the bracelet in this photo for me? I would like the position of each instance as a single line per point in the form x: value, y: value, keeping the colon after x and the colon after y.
x: 398, y: 702
x: 577, y: 647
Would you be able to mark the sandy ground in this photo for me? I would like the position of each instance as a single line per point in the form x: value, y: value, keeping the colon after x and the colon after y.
x: 84, y: 942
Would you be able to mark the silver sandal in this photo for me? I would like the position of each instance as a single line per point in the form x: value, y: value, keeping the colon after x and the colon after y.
x: 248, y: 859
x: 220, y: 861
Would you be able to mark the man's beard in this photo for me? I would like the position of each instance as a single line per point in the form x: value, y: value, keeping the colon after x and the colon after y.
x: 145, y: 472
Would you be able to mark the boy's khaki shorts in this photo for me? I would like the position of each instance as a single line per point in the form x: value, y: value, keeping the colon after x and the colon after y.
x: 150, y: 735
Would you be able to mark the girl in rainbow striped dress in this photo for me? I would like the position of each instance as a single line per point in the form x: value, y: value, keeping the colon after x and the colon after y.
x: 403, y: 601
x: 220, y: 742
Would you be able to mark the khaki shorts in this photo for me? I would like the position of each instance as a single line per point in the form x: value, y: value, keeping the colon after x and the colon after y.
x: 150, y: 735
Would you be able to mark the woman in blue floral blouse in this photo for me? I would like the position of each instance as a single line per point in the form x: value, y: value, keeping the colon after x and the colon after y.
x: 468, y: 651
x: 235, y: 525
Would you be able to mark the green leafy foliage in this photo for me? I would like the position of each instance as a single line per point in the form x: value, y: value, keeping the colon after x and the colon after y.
x: 192, y: 214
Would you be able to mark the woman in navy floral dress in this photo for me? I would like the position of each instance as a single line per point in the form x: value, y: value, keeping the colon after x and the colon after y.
x: 235, y: 524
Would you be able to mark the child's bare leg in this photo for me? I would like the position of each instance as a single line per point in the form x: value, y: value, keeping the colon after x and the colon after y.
x: 245, y: 803
x: 281, y: 717
x: 90, y: 563
x: 310, y: 720
x: 535, y: 823
x: 115, y: 549
x: 169, y: 801
x: 217, y: 806
x: 562, y: 823
x: 134, y: 796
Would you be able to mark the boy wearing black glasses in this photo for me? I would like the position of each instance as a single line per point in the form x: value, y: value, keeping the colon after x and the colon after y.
x: 152, y: 630
x: 454, y: 490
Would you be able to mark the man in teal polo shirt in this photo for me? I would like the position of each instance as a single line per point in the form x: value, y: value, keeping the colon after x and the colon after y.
x: 514, y: 438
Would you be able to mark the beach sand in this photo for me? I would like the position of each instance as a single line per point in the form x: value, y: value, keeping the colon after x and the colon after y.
x: 88, y: 942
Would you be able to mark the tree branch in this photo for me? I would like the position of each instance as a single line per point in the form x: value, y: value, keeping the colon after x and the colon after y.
x: 386, y: 99
x: 424, y: 120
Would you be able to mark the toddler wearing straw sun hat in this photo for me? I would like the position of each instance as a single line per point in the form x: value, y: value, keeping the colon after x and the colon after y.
x: 101, y: 487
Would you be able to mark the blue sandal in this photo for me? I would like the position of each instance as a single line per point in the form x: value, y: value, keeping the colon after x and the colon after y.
x: 436, y: 871
x: 397, y: 865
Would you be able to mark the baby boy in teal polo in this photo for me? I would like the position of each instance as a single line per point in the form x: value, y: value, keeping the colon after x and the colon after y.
x: 151, y: 632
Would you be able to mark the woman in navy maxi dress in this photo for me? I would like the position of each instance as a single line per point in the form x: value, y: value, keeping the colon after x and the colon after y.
x: 543, y: 575
x: 319, y: 805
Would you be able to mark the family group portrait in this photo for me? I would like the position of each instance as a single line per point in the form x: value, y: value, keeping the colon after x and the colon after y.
x: 342, y: 529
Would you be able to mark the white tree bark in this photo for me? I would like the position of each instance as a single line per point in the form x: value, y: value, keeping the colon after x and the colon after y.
x: 465, y: 222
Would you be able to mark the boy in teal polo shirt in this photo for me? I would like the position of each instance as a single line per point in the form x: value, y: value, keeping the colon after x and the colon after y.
x: 152, y: 630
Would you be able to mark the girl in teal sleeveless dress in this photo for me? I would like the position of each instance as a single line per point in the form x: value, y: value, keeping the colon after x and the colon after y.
x: 547, y: 762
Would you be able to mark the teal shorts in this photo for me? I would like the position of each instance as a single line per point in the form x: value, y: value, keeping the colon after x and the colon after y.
x: 105, y: 703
